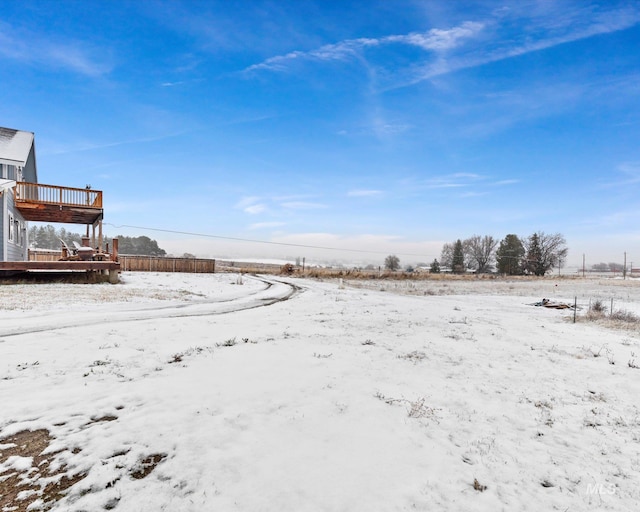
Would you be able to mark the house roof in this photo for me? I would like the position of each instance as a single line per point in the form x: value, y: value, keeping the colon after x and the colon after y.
x: 15, y: 146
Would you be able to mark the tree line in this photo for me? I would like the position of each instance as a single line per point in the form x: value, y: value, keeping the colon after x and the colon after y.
x: 536, y: 254
x: 533, y: 255
x: 48, y: 237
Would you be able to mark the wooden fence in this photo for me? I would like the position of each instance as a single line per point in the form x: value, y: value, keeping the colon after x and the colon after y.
x: 163, y: 264
x: 44, y: 255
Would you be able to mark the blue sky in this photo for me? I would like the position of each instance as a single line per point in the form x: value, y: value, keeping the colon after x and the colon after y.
x: 382, y: 126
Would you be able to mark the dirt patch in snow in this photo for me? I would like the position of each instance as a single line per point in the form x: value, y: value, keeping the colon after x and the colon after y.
x: 27, y: 474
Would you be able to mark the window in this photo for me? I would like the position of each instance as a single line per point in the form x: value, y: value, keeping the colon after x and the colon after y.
x: 12, y: 229
x: 17, y: 229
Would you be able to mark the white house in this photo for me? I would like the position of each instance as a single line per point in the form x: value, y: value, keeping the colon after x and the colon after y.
x: 17, y: 164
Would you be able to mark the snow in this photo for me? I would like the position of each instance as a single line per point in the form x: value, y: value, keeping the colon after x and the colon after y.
x: 374, y: 395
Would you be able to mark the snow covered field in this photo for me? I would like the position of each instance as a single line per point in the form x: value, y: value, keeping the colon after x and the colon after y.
x: 185, y: 392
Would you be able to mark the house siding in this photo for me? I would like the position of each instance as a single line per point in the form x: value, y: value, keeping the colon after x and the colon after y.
x: 16, y: 248
x: 29, y: 172
x: 11, y: 250
x: 3, y: 221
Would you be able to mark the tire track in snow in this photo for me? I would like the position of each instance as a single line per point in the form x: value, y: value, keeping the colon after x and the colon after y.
x: 274, y: 292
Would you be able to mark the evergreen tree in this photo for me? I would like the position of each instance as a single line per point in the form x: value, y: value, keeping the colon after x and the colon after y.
x: 457, y: 262
x: 435, y: 267
x: 140, y: 245
x: 533, y: 263
x: 509, y: 255
x: 47, y: 237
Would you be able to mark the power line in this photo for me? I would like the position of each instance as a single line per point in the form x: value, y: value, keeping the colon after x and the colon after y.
x: 236, y: 239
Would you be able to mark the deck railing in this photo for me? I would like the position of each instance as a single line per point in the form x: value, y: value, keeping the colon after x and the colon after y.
x: 53, y: 194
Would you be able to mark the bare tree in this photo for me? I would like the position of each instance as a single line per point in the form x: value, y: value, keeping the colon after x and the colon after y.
x: 480, y: 251
x: 392, y: 262
x: 616, y: 267
x: 446, y: 256
x: 544, y: 252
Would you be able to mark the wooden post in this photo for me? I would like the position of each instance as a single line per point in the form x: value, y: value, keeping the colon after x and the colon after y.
x: 114, y: 253
x: 575, y: 308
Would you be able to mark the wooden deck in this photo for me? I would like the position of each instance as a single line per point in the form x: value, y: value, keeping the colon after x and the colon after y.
x: 51, y: 203
x: 13, y: 267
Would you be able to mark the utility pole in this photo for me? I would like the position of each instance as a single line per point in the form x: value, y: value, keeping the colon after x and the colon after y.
x: 624, y: 269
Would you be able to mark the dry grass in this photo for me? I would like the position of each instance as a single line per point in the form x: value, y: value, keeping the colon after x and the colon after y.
x: 360, y: 273
x: 619, y: 319
x: 478, y: 486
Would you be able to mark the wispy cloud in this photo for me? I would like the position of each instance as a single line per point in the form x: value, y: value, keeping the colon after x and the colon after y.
x: 434, y: 40
x: 472, y: 194
x: 302, y: 205
x: 470, y: 44
x: 631, y: 169
x: 542, y: 33
x: 32, y: 49
x: 630, y: 175
x: 251, y: 205
x: 255, y: 209
x: 266, y: 225
x: 102, y: 145
x: 456, y: 180
x: 364, y: 193
x: 438, y: 39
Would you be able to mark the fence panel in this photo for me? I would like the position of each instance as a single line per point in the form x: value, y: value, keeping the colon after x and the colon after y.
x: 44, y: 255
x: 163, y: 264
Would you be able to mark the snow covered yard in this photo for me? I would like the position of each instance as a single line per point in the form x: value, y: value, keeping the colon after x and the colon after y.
x: 181, y: 392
